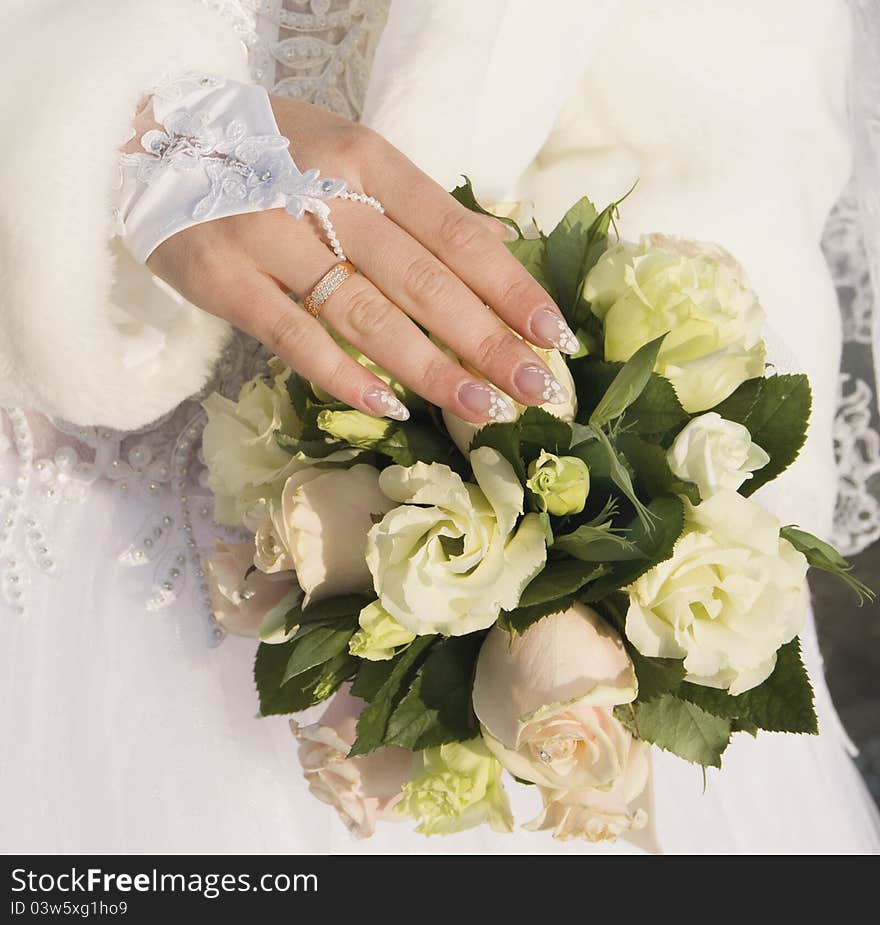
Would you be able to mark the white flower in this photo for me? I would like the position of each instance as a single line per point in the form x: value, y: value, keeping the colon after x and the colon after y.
x: 245, y: 463
x: 715, y: 454
x: 255, y: 605
x: 463, y: 432
x: 362, y: 789
x: 451, y: 557
x: 714, y: 322
x: 545, y: 700
x: 594, y: 814
x: 326, y: 515
x: 732, y: 593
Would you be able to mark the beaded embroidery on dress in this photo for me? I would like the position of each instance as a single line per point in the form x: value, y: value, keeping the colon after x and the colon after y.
x: 315, y: 50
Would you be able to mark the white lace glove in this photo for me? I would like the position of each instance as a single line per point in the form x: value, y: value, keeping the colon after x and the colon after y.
x: 216, y: 151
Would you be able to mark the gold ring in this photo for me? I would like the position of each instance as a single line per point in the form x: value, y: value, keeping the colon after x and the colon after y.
x: 327, y: 285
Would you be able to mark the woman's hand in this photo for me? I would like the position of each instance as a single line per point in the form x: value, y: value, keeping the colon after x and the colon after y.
x: 427, y: 261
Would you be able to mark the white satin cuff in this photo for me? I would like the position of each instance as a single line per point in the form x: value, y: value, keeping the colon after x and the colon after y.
x: 218, y: 152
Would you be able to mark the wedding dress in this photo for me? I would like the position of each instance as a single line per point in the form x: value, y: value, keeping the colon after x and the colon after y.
x: 128, y: 722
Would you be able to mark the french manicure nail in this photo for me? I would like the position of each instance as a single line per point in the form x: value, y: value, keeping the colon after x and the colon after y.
x: 385, y: 403
x: 537, y: 383
x: 550, y: 327
x: 487, y: 402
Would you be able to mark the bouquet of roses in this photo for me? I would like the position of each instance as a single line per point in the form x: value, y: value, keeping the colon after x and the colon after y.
x: 548, y: 597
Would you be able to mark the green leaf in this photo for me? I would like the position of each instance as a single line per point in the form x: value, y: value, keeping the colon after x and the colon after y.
x: 628, y: 384
x: 300, y: 393
x: 543, y: 431
x: 373, y: 721
x: 314, y: 646
x: 372, y: 675
x: 621, y: 478
x: 678, y: 727
x: 555, y: 589
x: 598, y: 544
x: 653, y: 475
x: 521, y: 618
x: 305, y: 689
x: 532, y: 254
x: 413, y: 442
x: 823, y: 556
x: 657, y: 545
x: 437, y: 707
x: 778, y: 422
x: 559, y: 578
x: 505, y: 439
x: 345, y: 606
x: 783, y: 703
x: 465, y: 195
x: 736, y: 407
x: 315, y: 449
x: 567, y: 248
x: 656, y: 410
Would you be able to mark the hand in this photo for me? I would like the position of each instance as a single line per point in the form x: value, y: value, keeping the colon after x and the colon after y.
x: 426, y: 262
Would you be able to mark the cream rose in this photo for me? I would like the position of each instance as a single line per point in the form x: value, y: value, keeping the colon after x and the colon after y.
x: 732, y: 593
x: 714, y: 321
x: 255, y: 605
x: 325, y: 517
x: 451, y: 557
x: 362, y: 790
x: 463, y: 432
x: 245, y: 463
x: 545, y: 699
x: 715, y: 454
x: 598, y: 815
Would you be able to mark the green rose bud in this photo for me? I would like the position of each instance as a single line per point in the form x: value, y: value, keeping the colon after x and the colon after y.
x: 380, y: 635
x: 560, y: 483
x: 355, y: 427
x: 456, y: 787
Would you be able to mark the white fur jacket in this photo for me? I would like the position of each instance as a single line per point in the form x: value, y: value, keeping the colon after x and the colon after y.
x: 731, y: 115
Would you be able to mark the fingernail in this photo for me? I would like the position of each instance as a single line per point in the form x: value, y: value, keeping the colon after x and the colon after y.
x: 536, y: 383
x: 549, y: 326
x: 487, y: 402
x: 385, y: 403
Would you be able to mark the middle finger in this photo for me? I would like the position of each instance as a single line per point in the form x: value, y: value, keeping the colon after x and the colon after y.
x: 430, y: 293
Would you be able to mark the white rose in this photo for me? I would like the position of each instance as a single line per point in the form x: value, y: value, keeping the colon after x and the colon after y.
x: 362, y: 790
x: 245, y: 462
x: 326, y: 515
x: 715, y: 454
x: 265, y: 521
x: 463, y: 432
x: 714, y: 321
x: 545, y: 700
x: 594, y: 814
x: 732, y: 593
x: 255, y: 605
x: 451, y: 557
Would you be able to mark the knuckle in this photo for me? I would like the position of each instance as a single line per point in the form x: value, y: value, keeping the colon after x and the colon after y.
x: 435, y: 377
x: 520, y: 292
x: 286, y: 334
x: 425, y: 278
x: 367, y: 313
x: 458, y: 230
x: 496, y: 349
x: 355, y: 143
